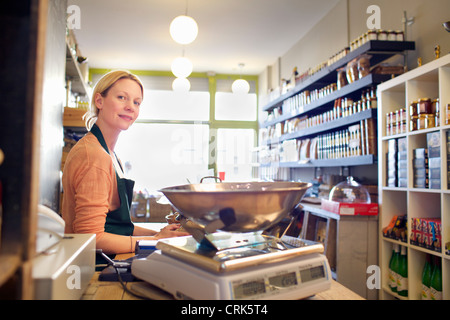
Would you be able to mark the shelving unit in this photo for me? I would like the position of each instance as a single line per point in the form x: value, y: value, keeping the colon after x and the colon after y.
x: 431, y: 80
x: 378, y: 51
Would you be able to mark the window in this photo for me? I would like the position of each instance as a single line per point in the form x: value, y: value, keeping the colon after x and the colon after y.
x: 234, y: 156
x: 231, y: 106
x: 176, y: 141
x: 159, y: 155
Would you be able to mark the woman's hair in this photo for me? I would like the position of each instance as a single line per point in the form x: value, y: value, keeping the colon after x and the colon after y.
x: 103, y: 85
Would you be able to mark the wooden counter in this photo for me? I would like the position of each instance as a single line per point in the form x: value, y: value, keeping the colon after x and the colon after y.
x: 106, y: 290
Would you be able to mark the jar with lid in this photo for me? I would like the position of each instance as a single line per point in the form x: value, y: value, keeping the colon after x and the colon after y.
x: 435, y: 110
x: 372, y: 35
x: 388, y: 128
x: 391, y: 35
x: 425, y: 121
x: 424, y: 106
x: 447, y: 114
x: 413, y: 123
x: 413, y: 108
x: 382, y: 35
x: 400, y: 35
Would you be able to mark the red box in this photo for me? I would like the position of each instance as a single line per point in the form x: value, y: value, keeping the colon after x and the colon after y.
x: 350, y: 209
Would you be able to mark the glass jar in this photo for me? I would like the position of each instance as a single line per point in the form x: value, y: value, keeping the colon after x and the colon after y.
x: 388, y: 124
x: 413, y: 123
x: 425, y: 121
x: 447, y: 114
x: 424, y: 106
x: 372, y: 35
x: 400, y: 35
x: 436, y: 111
x: 382, y: 35
x: 391, y: 35
x: 413, y: 109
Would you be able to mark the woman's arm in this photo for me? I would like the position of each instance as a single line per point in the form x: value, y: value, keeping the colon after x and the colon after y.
x: 141, y: 231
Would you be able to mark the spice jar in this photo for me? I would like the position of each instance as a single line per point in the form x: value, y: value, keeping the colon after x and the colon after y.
x: 424, y: 106
x: 400, y: 35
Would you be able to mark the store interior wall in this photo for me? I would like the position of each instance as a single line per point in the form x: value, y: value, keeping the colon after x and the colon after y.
x: 347, y: 20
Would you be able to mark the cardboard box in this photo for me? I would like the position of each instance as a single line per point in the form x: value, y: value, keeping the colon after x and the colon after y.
x: 350, y: 209
x: 426, y: 233
x: 434, y: 144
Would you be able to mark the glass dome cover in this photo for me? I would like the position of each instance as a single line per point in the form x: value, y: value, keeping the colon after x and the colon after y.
x: 349, y: 191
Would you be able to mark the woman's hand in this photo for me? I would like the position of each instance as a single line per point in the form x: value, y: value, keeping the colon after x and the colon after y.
x: 170, y: 231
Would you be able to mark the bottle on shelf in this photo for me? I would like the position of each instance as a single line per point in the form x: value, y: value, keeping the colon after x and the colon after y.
x: 402, y: 274
x: 393, y: 267
x: 426, y: 279
x: 436, y: 280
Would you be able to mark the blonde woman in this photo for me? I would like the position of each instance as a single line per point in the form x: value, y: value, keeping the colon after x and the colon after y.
x: 97, y: 196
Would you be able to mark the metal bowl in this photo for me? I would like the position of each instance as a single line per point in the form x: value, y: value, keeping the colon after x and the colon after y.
x: 236, y: 207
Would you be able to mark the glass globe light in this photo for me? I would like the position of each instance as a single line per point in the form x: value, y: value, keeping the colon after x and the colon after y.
x: 240, y: 86
x: 182, y: 67
x: 183, y: 29
x: 181, y: 85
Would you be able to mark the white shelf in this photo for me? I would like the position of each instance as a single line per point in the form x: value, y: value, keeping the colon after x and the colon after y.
x: 431, y: 80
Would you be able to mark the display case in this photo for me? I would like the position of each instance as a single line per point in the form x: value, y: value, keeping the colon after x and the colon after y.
x: 414, y: 194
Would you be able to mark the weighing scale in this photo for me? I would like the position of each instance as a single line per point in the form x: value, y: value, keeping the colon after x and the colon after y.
x: 241, y: 266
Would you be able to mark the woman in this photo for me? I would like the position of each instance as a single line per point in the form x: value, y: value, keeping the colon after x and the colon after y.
x: 97, y: 197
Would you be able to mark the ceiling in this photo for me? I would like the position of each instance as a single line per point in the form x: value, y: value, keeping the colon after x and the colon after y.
x: 134, y: 34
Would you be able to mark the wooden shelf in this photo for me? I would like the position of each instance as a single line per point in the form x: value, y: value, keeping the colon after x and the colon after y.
x: 73, y: 73
x: 73, y: 117
x: 380, y: 51
x: 341, y: 162
x: 369, y: 80
x: 331, y: 125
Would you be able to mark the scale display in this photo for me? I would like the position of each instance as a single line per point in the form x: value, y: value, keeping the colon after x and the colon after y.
x: 271, y: 283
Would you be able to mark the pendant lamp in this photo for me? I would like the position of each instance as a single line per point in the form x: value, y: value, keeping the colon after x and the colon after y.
x: 181, y: 85
x: 183, y: 29
x: 240, y: 86
x: 182, y: 67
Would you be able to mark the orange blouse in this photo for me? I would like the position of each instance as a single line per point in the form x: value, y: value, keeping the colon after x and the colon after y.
x: 90, y: 192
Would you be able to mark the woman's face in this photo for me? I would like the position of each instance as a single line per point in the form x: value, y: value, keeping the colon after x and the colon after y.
x: 120, y: 108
